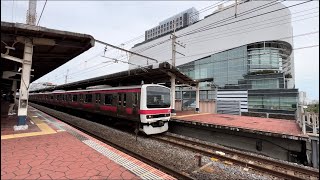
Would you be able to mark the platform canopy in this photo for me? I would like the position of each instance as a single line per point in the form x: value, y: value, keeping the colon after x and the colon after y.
x: 52, y: 48
x: 160, y: 73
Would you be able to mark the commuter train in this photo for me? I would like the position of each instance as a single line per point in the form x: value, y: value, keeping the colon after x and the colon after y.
x: 148, y: 105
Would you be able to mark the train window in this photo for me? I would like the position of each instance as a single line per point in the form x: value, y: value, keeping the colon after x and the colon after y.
x: 88, y: 98
x: 81, y: 97
x: 69, y: 98
x: 119, y: 99
x: 98, y: 98
x: 124, y: 99
x: 135, y: 98
x: 108, y: 99
x: 51, y: 97
x: 74, y: 97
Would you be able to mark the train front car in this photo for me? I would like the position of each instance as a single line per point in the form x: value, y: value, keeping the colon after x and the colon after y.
x: 154, y: 108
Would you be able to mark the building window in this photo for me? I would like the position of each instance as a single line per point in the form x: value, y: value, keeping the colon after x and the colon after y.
x: 181, y: 18
x: 178, y: 94
x: 181, y: 23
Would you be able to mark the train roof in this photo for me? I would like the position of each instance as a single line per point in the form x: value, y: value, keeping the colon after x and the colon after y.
x: 102, y: 89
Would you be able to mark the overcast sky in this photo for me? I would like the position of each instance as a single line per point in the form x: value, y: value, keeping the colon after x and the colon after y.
x: 116, y: 22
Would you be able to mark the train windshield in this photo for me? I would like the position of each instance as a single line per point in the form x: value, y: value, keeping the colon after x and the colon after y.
x: 158, y: 97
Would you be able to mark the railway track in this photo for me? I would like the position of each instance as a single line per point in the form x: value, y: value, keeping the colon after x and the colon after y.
x: 262, y: 164
x: 96, y: 135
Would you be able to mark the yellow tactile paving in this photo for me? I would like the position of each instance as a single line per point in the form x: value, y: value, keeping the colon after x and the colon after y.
x: 45, y: 129
x: 191, y: 115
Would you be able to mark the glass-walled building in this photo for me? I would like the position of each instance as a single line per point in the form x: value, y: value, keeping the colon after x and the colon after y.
x: 243, y: 67
x: 251, y: 54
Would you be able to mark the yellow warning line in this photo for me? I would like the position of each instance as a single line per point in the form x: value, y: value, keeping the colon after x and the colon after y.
x: 45, y: 129
x: 191, y: 115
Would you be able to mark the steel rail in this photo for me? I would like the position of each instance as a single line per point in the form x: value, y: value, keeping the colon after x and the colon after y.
x: 191, y: 145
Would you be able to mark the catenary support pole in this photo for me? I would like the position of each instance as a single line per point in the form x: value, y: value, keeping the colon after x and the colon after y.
x: 26, y: 70
x: 173, y: 94
x: 197, y: 98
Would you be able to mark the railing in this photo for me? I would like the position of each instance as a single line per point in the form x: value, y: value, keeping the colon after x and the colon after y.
x: 309, y: 119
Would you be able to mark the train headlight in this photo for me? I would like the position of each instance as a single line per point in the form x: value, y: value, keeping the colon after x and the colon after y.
x: 149, y: 116
x: 161, y: 123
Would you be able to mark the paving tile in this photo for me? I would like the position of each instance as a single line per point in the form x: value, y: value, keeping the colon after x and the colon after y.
x: 127, y: 175
x: 62, y: 169
x: 74, y: 174
x: 282, y: 126
x: 92, y: 172
x: 57, y: 175
x: 8, y: 176
x: 33, y: 176
x: 9, y: 169
x: 22, y: 171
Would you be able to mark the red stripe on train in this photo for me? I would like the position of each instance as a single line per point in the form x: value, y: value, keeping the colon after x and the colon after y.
x: 109, y: 108
x: 155, y: 111
x: 129, y: 110
x: 88, y: 105
x: 102, y: 91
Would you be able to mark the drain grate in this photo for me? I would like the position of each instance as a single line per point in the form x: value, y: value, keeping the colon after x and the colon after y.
x: 122, y: 161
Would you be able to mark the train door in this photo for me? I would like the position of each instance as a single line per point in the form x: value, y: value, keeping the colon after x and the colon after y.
x: 97, y: 102
x: 121, y: 107
x: 135, y: 105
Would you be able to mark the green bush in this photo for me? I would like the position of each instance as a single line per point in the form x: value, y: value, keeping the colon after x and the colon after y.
x: 313, y: 108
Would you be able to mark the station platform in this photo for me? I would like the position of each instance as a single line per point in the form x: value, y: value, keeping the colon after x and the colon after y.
x: 265, y: 126
x: 51, y: 149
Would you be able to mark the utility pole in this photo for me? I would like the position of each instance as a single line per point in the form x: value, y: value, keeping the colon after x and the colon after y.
x: 31, y: 13
x: 173, y: 77
x: 66, y: 79
x: 235, y: 13
x: 174, y: 51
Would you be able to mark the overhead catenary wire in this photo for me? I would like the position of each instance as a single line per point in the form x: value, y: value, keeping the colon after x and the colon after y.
x: 153, y: 45
x: 244, y: 19
x: 204, y: 9
x: 265, y: 22
x: 231, y: 32
x: 299, y: 35
x: 248, y: 11
x: 44, y: 6
x: 284, y: 38
x: 229, y: 18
